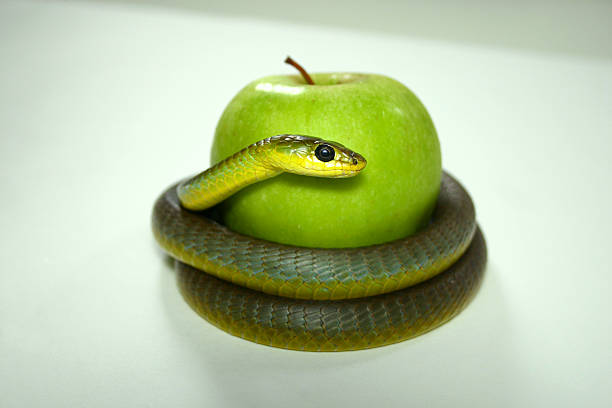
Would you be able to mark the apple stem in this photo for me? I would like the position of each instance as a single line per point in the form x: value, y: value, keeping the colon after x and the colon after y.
x: 297, y: 66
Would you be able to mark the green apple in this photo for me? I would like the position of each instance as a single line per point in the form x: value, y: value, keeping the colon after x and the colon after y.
x: 373, y: 115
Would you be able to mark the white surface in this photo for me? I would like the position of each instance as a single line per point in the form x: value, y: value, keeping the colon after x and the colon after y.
x: 103, y: 106
x: 579, y: 27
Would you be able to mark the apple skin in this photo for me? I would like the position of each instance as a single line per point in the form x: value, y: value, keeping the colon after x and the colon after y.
x: 373, y: 115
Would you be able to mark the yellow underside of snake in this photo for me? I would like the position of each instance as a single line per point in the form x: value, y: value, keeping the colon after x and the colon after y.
x: 308, y: 298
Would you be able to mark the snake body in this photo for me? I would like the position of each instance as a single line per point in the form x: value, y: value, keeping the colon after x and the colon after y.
x: 309, y: 298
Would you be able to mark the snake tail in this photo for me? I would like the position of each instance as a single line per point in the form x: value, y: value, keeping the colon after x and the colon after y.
x: 340, y: 325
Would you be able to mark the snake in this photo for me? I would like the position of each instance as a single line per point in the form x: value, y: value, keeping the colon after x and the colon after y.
x: 316, y: 299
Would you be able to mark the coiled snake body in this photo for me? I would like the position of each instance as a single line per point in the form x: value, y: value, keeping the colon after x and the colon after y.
x: 316, y: 299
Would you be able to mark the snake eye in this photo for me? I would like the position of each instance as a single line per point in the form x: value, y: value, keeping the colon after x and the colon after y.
x: 325, y: 153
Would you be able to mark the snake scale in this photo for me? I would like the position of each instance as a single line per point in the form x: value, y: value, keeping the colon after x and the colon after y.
x: 308, y: 298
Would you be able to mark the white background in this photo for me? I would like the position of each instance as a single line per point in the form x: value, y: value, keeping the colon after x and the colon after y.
x: 102, y: 105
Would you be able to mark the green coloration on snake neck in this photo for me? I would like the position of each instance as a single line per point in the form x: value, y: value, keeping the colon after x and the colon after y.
x: 327, y: 311
x: 265, y: 159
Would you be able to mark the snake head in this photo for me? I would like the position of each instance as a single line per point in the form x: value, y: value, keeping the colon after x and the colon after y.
x: 310, y: 156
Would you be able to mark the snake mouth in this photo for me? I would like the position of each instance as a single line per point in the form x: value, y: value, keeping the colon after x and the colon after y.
x: 343, y: 172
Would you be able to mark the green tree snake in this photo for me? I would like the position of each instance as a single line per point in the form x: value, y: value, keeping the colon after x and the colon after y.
x: 309, y: 298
